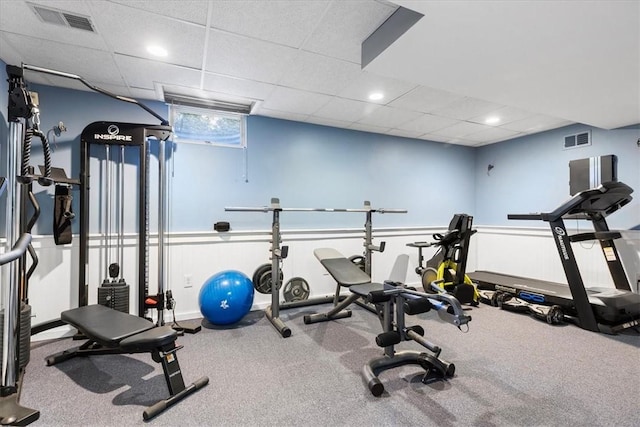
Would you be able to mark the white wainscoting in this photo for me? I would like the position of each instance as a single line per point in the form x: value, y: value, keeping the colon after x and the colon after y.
x: 193, y: 257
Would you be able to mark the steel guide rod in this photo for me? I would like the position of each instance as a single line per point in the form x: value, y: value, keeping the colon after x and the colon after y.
x: 273, y: 311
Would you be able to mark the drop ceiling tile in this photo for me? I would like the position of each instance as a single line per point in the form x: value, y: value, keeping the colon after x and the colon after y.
x: 143, y: 94
x: 460, y: 130
x: 404, y: 133
x: 247, y: 58
x: 388, y: 117
x: 284, y: 115
x: 327, y: 122
x: 366, y: 83
x: 344, y: 26
x: 321, y: 74
x: 425, y: 99
x: 239, y: 87
x: 506, y: 115
x: 295, y: 101
x: 492, y: 134
x: 142, y: 73
x: 187, y: 10
x: 466, y: 108
x: 536, y: 123
x: 10, y: 55
x: 426, y: 123
x: 345, y: 109
x: 183, y: 41
x: 284, y: 22
x: 369, y: 128
x: 93, y: 65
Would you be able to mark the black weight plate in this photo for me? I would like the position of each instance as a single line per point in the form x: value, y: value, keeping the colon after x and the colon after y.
x: 296, y: 289
x: 265, y: 282
x: 256, y: 278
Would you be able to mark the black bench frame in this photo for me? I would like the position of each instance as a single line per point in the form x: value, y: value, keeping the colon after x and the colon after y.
x: 112, y: 332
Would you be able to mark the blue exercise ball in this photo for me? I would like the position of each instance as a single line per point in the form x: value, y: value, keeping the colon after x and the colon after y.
x: 226, y: 297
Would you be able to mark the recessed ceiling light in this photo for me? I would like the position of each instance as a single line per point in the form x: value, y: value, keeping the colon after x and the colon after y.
x: 493, y: 120
x: 157, y: 50
x: 376, y: 96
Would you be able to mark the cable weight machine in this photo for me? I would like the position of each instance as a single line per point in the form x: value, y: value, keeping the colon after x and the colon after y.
x: 114, y: 291
x: 271, y: 278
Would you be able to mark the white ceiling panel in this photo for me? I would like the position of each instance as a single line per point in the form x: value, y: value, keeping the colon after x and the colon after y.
x: 493, y: 134
x: 427, y: 123
x: 183, y: 41
x: 285, y: 115
x: 143, y: 74
x: 286, y: 22
x: 460, y: 130
x: 345, y: 109
x: 344, y: 26
x: 247, y: 58
x: 404, y: 133
x: 61, y: 57
x: 320, y: 74
x: 535, y: 124
x: 369, y: 128
x: 505, y: 115
x: 388, y: 117
x: 239, y: 87
x: 425, y: 99
x: 466, y: 108
x: 366, y: 83
x: 187, y: 10
x: 300, y: 102
x: 327, y: 122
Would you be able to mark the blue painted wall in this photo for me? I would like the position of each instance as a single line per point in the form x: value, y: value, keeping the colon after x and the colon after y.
x: 531, y: 174
x: 312, y: 166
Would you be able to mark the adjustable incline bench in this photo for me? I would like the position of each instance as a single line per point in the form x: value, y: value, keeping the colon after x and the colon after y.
x: 113, y: 332
x: 393, y: 302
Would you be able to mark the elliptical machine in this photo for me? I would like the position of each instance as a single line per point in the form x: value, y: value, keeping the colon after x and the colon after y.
x: 446, y: 270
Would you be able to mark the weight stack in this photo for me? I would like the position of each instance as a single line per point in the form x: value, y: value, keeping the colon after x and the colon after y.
x: 25, y: 335
x: 115, y: 296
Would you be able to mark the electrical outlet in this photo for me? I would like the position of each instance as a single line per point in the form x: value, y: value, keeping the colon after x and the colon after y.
x: 187, y: 281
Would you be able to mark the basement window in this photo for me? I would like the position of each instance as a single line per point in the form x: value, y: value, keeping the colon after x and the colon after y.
x: 207, y: 126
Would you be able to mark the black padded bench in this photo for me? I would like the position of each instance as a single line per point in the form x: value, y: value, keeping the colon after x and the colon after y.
x: 113, y: 332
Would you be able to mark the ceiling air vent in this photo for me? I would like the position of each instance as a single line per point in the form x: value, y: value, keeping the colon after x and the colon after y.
x: 52, y: 16
x: 577, y: 140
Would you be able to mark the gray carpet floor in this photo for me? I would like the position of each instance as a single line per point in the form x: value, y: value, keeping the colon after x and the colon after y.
x: 511, y: 370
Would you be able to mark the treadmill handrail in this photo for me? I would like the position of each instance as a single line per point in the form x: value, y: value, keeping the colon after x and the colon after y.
x: 604, y: 200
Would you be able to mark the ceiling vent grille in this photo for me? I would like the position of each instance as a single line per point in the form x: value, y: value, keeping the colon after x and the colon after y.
x: 52, y: 16
x: 577, y: 140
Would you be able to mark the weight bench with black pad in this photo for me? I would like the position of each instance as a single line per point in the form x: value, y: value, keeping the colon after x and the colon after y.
x: 392, y: 301
x: 110, y: 331
x: 346, y: 274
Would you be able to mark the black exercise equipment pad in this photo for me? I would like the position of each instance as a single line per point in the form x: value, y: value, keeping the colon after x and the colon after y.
x: 364, y: 289
x: 110, y: 327
x: 345, y: 272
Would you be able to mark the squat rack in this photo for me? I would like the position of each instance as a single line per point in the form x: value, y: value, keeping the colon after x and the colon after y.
x: 279, y: 252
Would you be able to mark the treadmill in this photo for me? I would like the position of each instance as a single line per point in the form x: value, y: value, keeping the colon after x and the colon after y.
x: 596, y: 309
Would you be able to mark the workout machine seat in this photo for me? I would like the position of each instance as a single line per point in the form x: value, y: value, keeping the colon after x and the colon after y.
x: 110, y: 331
